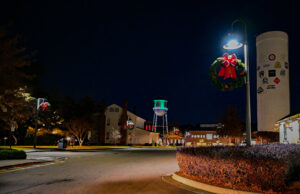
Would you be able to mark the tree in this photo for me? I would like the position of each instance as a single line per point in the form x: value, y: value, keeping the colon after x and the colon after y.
x: 48, y: 122
x: 15, y: 102
x: 16, y: 109
x: 68, y: 108
x: 79, y: 127
x: 87, y: 106
x: 124, y: 118
x: 100, y: 121
x: 233, y: 126
x: 14, y: 61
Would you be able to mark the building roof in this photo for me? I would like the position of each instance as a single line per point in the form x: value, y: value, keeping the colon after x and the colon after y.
x: 290, y: 117
x: 122, y: 109
x: 139, y: 120
x: 201, y: 132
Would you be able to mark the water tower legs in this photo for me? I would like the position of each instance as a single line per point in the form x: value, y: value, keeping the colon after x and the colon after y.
x: 163, y: 126
x: 154, y: 123
x: 167, y: 128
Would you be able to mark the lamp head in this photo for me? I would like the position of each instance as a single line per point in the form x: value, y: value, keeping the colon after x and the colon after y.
x: 232, y: 43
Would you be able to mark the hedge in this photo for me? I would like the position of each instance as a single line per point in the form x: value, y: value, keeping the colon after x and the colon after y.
x: 260, y: 168
x: 9, y: 154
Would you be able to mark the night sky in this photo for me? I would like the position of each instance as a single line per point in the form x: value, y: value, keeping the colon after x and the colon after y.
x: 140, y: 50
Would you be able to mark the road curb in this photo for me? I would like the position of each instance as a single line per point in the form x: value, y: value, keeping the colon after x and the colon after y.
x: 168, y: 179
x: 23, y: 164
x: 207, y: 187
x: 29, y: 165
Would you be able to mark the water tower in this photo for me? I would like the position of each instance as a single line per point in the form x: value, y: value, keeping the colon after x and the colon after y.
x: 160, y: 110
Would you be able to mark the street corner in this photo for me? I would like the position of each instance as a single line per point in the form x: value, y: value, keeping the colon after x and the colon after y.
x: 168, y: 179
x: 7, y: 166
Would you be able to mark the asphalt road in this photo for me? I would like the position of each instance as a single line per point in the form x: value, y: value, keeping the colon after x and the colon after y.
x: 107, y: 171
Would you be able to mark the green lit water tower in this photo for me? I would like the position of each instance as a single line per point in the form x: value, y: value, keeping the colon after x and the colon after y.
x: 160, y: 110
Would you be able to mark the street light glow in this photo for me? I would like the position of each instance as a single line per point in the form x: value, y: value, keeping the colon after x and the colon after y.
x: 232, y: 44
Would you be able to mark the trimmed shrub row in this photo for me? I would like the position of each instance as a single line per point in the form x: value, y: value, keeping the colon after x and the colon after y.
x: 8, y: 154
x: 260, y: 168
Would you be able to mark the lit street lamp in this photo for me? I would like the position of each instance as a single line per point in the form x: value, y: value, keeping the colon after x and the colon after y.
x: 232, y: 44
x: 235, y: 44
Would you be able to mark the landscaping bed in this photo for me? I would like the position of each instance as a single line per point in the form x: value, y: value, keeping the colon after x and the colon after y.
x: 261, y: 168
x: 10, y: 154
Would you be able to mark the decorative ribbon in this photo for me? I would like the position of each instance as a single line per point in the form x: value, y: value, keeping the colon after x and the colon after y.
x: 228, y: 64
x: 44, y: 106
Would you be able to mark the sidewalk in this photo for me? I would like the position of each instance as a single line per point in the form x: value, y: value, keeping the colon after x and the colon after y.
x: 29, y: 149
x: 39, y: 148
x: 30, y: 160
x: 11, y: 163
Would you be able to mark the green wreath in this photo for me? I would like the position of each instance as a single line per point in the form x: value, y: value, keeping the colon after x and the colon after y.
x: 227, y: 73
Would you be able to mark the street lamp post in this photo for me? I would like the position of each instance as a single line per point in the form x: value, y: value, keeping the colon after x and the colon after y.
x: 40, y: 102
x: 234, y: 44
x: 36, y: 122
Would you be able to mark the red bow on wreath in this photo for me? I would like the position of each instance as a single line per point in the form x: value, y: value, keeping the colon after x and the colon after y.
x: 44, y: 106
x: 227, y: 69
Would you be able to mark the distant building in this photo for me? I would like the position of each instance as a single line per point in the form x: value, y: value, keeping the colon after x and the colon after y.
x: 206, y: 135
x: 265, y: 137
x: 136, y: 133
x: 175, y: 136
x: 289, y: 129
x: 201, y: 138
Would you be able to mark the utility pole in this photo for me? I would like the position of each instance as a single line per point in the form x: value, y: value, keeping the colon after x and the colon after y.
x: 36, y: 122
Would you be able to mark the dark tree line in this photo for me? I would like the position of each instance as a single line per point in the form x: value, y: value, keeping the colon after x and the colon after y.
x: 19, y: 90
x: 16, y: 105
x: 232, y: 124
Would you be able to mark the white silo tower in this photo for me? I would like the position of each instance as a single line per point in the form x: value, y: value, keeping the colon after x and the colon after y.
x: 273, y: 88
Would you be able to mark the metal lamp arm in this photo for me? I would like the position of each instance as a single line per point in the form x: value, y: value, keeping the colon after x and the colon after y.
x: 245, y: 28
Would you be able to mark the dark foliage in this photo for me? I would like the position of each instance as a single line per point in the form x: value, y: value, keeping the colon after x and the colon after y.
x: 261, y: 168
x: 232, y: 125
x: 9, y: 154
x: 42, y: 140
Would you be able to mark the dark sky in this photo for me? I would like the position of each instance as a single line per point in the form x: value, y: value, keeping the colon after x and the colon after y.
x: 143, y: 49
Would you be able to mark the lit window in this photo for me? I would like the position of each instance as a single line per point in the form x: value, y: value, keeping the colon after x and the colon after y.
x: 209, y: 136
